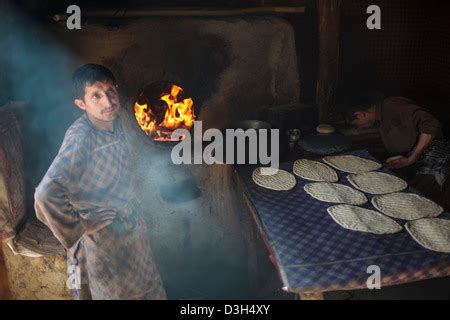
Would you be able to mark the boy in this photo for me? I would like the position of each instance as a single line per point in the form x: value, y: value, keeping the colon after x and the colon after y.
x: 412, y: 134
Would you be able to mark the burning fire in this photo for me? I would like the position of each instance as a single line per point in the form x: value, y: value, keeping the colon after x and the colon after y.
x: 161, y: 120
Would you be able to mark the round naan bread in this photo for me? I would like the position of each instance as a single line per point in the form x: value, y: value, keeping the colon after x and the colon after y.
x: 335, y: 192
x: 314, y: 170
x: 351, y: 164
x: 324, y: 128
x: 279, y: 180
x: 377, y: 182
x: 364, y: 220
x: 431, y: 233
x: 406, y: 206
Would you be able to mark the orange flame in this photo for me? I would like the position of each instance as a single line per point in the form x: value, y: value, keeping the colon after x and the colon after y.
x: 178, y: 114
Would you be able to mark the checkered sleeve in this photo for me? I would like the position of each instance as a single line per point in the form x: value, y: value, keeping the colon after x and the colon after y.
x: 52, y: 201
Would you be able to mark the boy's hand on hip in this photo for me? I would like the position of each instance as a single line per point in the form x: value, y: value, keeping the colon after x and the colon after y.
x: 102, y: 219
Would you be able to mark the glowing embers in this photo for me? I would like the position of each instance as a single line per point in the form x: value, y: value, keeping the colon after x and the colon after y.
x: 162, y: 108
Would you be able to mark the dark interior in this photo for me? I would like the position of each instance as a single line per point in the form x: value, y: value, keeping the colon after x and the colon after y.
x: 278, y: 84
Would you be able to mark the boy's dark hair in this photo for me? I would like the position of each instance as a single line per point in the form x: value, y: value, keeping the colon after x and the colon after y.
x: 87, y: 75
x: 362, y: 101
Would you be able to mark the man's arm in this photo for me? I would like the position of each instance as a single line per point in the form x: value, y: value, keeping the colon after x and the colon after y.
x: 53, y: 208
x: 422, y: 144
x: 52, y: 203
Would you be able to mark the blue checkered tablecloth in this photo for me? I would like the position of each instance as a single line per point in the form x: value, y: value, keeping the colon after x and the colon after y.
x: 315, y: 254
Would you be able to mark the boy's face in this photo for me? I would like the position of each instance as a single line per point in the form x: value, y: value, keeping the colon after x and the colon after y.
x: 364, y: 119
x: 101, y: 102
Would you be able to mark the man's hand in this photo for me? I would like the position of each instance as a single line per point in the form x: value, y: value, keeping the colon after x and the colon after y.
x: 102, y: 219
x: 400, y: 162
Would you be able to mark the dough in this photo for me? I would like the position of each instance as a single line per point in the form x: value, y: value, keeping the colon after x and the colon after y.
x: 325, y: 128
x: 377, y: 182
x: 364, y: 220
x: 393, y: 158
x: 431, y: 233
x: 406, y: 206
x: 352, y: 164
x: 335, y: 192
x: 314, y: 170
x: 280, y: 180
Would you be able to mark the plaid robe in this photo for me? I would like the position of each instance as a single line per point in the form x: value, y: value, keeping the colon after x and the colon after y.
x: 92, y: 173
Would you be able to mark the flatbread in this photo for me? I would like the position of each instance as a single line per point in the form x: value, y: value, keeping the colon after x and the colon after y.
x: 351, y: 164
x: 406, y: 206
x: 314, y: 170
x: 324, y: 128
x: 280, y: 180
x: 335, y: 192
x: 377, y: 182
x: 393, y: 158
x: 364, y: 220
x: 431, y: 233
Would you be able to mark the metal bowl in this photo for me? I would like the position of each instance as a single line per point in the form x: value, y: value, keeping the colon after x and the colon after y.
x: 252, y: 124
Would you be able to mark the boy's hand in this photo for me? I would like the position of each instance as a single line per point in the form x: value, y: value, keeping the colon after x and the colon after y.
x: 400, y: 162
x: 102, y: 219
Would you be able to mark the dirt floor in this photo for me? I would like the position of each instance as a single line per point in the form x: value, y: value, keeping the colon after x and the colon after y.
x: 25, y: 278
x: 4, y: 287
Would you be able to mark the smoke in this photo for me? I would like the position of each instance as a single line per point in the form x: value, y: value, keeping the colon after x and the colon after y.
x: 36, y: 69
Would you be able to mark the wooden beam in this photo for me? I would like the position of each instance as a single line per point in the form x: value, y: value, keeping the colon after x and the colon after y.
x: 181, y: 12
x: 329, y: 16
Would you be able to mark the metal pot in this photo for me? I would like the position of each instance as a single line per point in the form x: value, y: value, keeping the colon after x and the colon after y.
x: 257, y: 125
x: 252, y: 124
